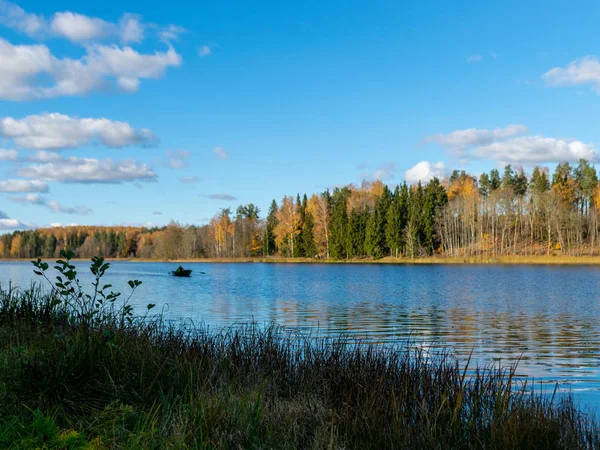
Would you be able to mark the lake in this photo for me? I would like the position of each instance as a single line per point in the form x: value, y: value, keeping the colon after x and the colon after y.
x: 547, y: 315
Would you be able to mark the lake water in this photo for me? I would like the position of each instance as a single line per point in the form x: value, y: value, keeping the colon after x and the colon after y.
x: 547, y: 315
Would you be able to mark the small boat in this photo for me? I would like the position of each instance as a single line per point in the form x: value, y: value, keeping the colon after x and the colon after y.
x: 181, y: 272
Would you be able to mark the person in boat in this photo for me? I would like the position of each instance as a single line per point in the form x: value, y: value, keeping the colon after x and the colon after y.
x: 180, y: 269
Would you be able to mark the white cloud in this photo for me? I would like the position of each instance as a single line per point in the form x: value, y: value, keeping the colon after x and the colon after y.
x: 579, y: 72
x: 32, y: 199
x: 77, y: 27
x: 536, y: 149
x: 386, y: 171
x: 8, y: 155
x: 221, y: 153
x: 156, y: 213
x: 14, y: 186
x: 504, y: 145
x: 73, y: 26
x: 189, y: 180
x: 459, y: 139
x: 62, y: 225
x: 13, y: 16
x: 57, y: 207
x: 36, y: 199
x: 170, y: 33
x: 424, y: 172
x: 131, y: 28
x: 58, y: 131
x: 32, y: 72
x: 89, y: 170
x: 177, y: 159
x: 14, y: 224
x: 204, y: 51
x: 43, y: 156
x: 474, y: 58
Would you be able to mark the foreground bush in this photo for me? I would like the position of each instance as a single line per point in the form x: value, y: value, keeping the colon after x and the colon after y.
x: 69, y: 382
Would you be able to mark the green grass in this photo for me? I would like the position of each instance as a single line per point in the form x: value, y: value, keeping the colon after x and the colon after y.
x: 70, y: 384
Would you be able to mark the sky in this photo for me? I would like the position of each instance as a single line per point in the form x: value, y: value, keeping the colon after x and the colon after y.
x: 139, y: 113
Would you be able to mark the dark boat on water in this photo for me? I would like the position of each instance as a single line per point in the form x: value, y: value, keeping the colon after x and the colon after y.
x: 181, y: 272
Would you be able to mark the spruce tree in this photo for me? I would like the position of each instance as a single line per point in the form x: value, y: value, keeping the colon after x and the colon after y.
x: 393, y: 227
x: 270, y: 248
x: 375, y: 238
x: 435, y: 199
x: 508, y: 179
x: 495, y: 181
x: 339, y: 223
x: 539, y: 181
x: 307, y: 236
x: 485, y: 187
x: 355, y: 234
x: 404, y: 209
x: 299, y: 250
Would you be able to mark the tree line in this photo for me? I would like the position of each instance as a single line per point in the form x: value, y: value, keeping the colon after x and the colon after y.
x: 512, y: 212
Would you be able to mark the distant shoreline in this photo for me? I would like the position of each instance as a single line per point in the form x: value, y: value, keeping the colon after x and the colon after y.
x: 475, y: 260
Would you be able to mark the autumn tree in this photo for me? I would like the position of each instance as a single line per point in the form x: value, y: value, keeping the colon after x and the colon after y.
x: 288, y: 226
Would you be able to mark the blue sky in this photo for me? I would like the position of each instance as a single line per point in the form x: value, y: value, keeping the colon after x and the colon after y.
x: 137, y: 113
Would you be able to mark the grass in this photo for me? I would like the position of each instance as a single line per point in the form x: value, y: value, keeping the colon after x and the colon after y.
x: 73, y: 384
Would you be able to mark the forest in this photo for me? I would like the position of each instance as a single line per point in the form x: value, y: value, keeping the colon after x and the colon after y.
x: 498, y: 213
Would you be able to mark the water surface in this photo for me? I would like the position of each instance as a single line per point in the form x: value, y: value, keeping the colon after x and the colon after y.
x: 548, y: 316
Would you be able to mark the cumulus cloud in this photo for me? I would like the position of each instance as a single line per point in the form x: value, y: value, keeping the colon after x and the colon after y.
x: 72, y: 26
x: 474, y: 58
x: 13, y: 16
x: 460, y: 139
x: 220, y: 152
x: 14, y: 224
x: 536, y: 149
x: 8, y: 155
x: 58, y: 131
x: 582, y: 71
x: 43, y: 156
x: 177, y: 159
x: 33, y: 72
x: 226, y: 197
x: 424, y: 171
x: 205, y: 50
x: 15, y: 186
x: 505, y: 145
x: 89, y: 170
x: 78, y: 27
x: 189, y: 179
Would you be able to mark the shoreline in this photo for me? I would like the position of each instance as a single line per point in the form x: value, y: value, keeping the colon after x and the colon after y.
x: 475, y: 261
